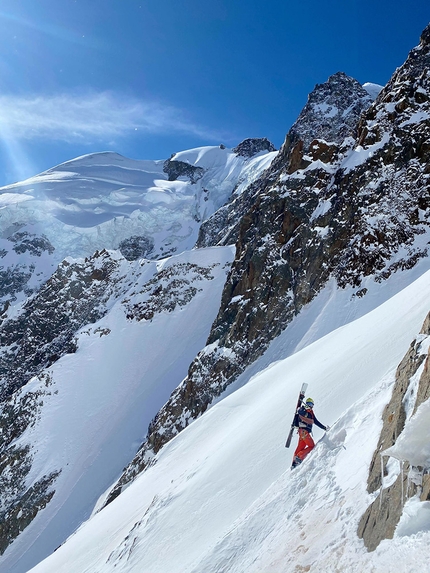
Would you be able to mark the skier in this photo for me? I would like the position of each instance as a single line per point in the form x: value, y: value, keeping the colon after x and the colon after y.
x: 306, y: 419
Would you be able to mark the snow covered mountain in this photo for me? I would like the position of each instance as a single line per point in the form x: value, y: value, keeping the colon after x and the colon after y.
x: 141, y: 208
x: 102, y: 201
x: 192, y: 297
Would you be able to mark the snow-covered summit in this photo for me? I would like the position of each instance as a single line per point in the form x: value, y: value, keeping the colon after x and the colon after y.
x: 372, y: 89
x: 96, y: 201
x: 106, y: 201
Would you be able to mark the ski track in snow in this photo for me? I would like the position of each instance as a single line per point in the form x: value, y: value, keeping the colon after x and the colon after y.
x: 221, y: 497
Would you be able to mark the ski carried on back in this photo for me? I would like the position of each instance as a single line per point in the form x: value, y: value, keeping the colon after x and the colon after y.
x: 295, y: 422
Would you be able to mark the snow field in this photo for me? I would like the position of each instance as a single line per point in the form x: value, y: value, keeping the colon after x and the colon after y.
x: 221, y: 497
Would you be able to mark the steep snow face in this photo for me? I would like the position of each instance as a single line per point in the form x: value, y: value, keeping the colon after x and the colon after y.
x: 74, y: 426
x: 221, y: 496
x: 353, y: 213
x: 105, y: 201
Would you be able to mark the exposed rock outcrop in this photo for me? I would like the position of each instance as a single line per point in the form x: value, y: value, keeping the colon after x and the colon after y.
x: 14, y: 280
x: 382, y: 516
x: 315, y: 126
x: 331, y: 114
x: 29, y: 242
x: 45, y: 328
x: 251, y: 146
x: 16, y: 277
x: 332, y: 111
x: 20, y: 501
x: 30, y: 341
x: 136, y: 247
x: 176, y: 169
x: 78, y: 294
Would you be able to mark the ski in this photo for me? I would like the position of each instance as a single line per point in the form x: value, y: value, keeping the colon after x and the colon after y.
x: 295, y: 421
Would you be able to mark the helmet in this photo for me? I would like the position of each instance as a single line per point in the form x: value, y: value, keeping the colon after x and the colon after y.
x: 309, y: 403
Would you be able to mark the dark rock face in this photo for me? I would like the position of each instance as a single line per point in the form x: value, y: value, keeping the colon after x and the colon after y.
x: 329, y: 206
x: 15, y: 278
x: 36, y: 337
x: 19, y: 501
x: 136, y: 247
x: 45, y: 328
x: 251, y: 146
x: 176, y: 169
x: 331, y: 114
x: 14, y: 519
x: 425, y: 36
x: 216, y: 229
x: 382, y: 516
x: 332, y: 111
x: 222, y: 228
x: 172, y: 287
x: 28, y: 242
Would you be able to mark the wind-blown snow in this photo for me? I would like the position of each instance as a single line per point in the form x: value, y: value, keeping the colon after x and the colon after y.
x: 221, y: 496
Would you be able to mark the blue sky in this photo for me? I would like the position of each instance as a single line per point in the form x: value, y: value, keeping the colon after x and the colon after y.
x: 147, y: 78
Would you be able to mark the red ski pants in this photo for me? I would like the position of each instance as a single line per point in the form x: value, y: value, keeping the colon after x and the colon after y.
x: 305, y: 445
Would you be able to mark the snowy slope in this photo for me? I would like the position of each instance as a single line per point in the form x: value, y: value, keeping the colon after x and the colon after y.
x: 94, y: 406
x: 221, y: 496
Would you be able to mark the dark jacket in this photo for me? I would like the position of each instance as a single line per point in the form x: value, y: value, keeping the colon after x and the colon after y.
x: 304, y: 415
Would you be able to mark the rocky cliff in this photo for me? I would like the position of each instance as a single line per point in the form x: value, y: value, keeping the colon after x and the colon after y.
x: 253, y: 145
x: 32, y: 339
x: 330, y: 115
x: 411, y: 389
